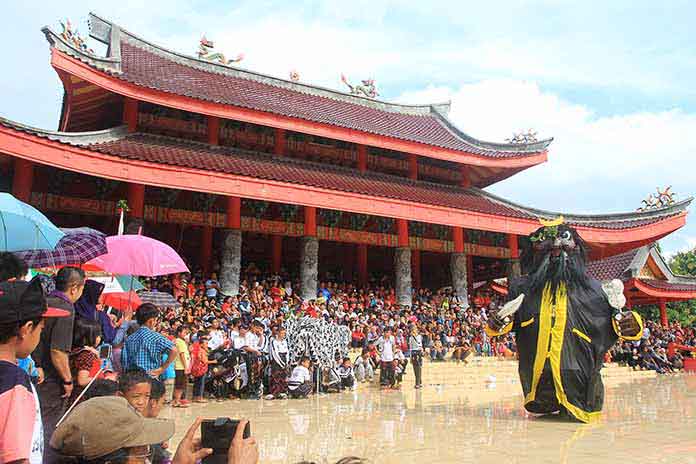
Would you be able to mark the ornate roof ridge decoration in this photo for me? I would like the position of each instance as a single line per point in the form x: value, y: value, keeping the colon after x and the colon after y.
x: 205, y: 52
x: 523, y: 137
x: 510, y: 147
x: 112, y: 35
x: 582, y: 219
x: 659, y: 199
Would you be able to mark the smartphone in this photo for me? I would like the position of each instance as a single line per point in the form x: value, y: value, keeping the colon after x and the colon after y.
x: 105, y: 352
x: 217, y: 434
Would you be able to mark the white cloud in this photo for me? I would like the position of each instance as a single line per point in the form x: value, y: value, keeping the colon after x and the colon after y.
x: 596, y: 164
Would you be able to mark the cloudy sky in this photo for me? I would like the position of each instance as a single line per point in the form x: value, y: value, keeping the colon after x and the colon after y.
x: 614, y: 84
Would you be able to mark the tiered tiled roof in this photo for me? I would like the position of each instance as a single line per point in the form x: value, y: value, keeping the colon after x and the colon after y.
x: 139, y: 62
x: 199, y: 156
x: 614, y: 267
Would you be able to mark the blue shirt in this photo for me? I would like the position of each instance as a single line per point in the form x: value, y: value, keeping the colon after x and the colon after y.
x: 144, y: 350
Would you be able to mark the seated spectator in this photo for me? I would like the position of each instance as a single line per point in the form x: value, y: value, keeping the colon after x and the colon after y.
x: 300, y: 382
x: 461, y: 351
x: 135, y: 387
x: 345, y: 372
x: 363, y: 368
x: 438, y: 352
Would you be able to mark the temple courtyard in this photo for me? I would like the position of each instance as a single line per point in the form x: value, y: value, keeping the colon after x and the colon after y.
x: 470, y: 413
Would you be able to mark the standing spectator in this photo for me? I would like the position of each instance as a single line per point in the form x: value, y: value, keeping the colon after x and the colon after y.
x: 84, y: 358
x: 53, y: 350
x: 22, y: 312
x: 199, y: 366
x: 144, y: 349
x: 182, y: 367
x: 415, y: 346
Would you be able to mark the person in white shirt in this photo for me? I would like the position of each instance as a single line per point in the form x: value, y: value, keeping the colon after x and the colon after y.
x: 278, y: 354
x: 300, y: 382
x: 254, y: 344
x: 386, y: 345
x: 363, y: 368
x: 217, y: 336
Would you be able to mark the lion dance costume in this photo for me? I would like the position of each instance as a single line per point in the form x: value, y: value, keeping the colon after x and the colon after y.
x: 564, y: 325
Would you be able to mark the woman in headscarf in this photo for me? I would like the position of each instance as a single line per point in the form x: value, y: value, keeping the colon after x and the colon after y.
x: 86, y: 308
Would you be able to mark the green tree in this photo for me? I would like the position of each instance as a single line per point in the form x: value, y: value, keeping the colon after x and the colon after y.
x: 683, y: 263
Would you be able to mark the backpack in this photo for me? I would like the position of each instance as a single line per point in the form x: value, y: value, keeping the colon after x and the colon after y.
x: 198, y: 367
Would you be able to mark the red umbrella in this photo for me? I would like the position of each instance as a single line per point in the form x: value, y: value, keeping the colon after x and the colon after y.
x: 124, y: 300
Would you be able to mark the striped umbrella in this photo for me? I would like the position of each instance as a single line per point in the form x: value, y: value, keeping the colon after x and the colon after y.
x: 159, y: 299
x: 76, y: 247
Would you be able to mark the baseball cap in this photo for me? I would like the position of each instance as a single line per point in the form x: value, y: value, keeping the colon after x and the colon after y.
x: 102, y: 425
x: 22, y: 301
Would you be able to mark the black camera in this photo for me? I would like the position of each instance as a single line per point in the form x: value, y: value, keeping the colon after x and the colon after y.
x: 217, y: 434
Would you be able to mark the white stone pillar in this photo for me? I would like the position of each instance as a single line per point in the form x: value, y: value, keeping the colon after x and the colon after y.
x: 309, y: 267
x: 402, y: 271
x: 231, y: 263
x: 458, y: 269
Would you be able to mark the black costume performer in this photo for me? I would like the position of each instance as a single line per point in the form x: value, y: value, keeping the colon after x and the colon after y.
x: 564, y: 326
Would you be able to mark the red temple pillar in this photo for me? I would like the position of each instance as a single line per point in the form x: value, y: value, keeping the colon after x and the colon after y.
x: 23, y: 179
x: 206, y: 249
x: 362, y: 264
x: 276, y: 253
x: 310, y: 221
x: 136, y: 200
x: 279, y: 142
x: 458, y: 239
x: 234, y: 213
x: 362, y: 158
x: 416, y: 267
x: 466, y: 176
x: 402, y: 233
x: 213, y: 130
x: 413, y: 166
x: 515, y: 270
x: 663, y: 313
x: 130, y: 113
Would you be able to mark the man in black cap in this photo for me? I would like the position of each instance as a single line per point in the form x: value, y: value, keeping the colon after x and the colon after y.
x: 52, y: 352
x: 22, y: 312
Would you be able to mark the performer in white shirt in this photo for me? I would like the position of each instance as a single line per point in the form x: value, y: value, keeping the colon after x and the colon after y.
x: 278, y: 354
x: 300, y: 382
x: 386, y: 345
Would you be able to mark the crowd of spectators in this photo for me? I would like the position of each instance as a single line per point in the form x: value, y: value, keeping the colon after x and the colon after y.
x: 660, y: 349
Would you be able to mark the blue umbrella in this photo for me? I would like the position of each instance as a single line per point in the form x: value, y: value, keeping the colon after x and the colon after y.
x: 23, y: 227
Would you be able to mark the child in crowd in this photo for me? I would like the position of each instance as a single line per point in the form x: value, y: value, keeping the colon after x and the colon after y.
x: 101, y: 387
x: 22, y: 312
x: 182, y: 367
x: 345, y: 372
x: 135, y: 386
x: 152, y: 411
x: 300, y: 382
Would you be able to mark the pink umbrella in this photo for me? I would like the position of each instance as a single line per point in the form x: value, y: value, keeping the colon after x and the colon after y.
x: 139, y: 255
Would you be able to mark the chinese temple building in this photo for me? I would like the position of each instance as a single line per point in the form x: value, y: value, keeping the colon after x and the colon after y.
x: 647, y: 278
x: 233, y: 167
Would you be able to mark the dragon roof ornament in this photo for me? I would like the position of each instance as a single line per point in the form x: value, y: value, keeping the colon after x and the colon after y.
x: 659, y: 199
x: 206, y: 52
